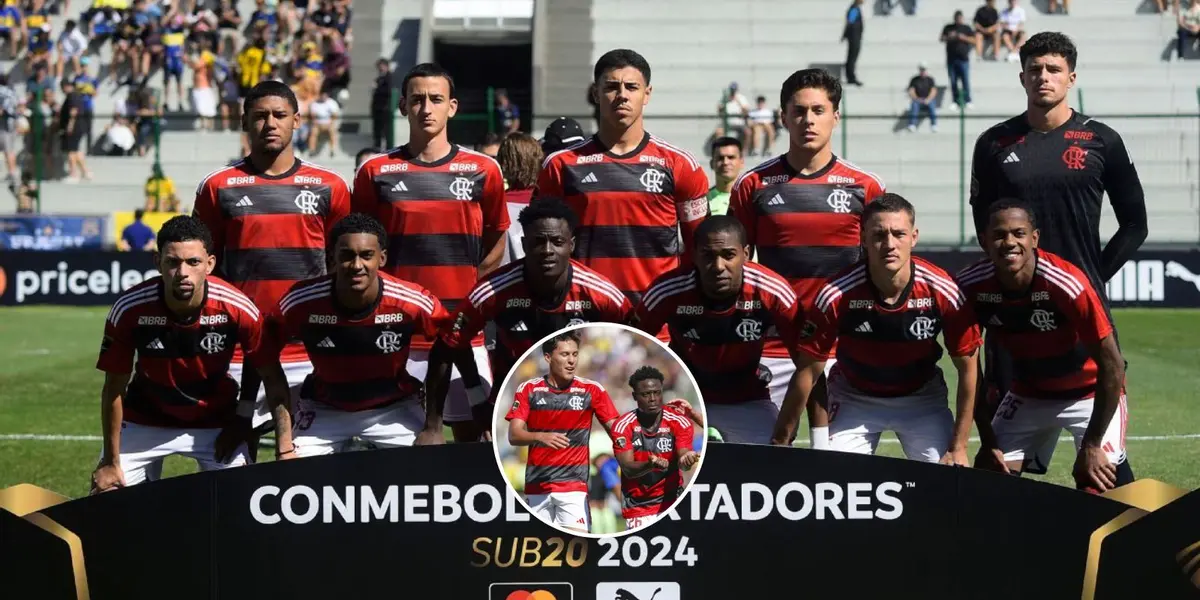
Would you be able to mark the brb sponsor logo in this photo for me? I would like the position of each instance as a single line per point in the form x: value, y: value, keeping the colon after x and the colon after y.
x: 66, y: 281
x: 1145, y: 280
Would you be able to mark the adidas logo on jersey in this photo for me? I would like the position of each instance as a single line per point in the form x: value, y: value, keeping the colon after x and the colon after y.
x: 591, y: 178
x: 400, y: 187
x: 155, y: 344
x: 864, y: 328
x: 325, y: 343
x: 995, y: 320
x: 1012, y: 158
x: 775, y: 200
x: 692, y: 335
x: 245, y: 201
x: 520, y: 326
x: 541, y: 401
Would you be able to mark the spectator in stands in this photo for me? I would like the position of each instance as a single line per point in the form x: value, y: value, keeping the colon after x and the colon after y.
x: 10, y: 113
x: 148, y: 113
x: 335, y: 68
x: 727, y: 164
x: 490, y: 144
x: 202, y: 24
x: 1189, y: 29
x: 153, y: 49
x: 126, y: 50
x: 1012, y: 32
x: 987, y: 29
x: 325, y: 114
x: 27, y: 192
x: 508, y: 114
x: 382, y: 106
x: 732, y: 109
x: 137, y: 236
x: 520, y: 158
x: 1162, y: 5
x: 762, y: 127
x: 86, y: 84
x: 343, y: 15
x: 891, y: 5
x: 229, y: 22
x: 561, y: 133
x: 204, y: 95
x: 118, y: 138
x: 852, y: 34
x: 922, y: 93
x: 160, y: 192
x: 959, y: 39
x: 174, y: 37
x: 39, y: 33
x: 1053, y: 7
x: 72, y: 45
x: 71, y: 121
x: 12, y: 23
x: 364, y: 154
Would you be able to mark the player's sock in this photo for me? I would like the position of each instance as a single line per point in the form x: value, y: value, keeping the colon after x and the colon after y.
x: 1124, y: 473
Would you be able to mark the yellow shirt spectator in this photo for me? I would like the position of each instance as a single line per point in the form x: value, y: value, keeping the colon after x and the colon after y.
x: 252, y: 66
x: 160, y: 195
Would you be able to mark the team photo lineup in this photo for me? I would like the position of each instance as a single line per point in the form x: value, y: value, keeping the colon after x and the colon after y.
x: 387, y: 311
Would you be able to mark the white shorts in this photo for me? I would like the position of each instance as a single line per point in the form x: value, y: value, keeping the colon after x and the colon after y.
x: 922, y: 421
x: 295, y: 372
x: 143, y: 448
x: 782, y: 370
x: 745, y: 423
x: 1029, y: 426
x: 457, y: 408
x: 319, y: 429
x: 564, y: 509
x: 204, y: 101
x: 645, y: 521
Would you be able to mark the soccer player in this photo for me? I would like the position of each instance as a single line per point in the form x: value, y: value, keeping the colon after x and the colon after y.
x: 357, y: 325
x: 1062, y: 163
x: 183, y: 327
x: 886, y: 313
x: 269, y: 214
x: 1067, y: 370
x: 634, y: 193
x: 718, y: 311
x: 527, y: 301
x: 553, y: 415
x: 801, y: 213
x: 444, y: 208
x: 653, y: 444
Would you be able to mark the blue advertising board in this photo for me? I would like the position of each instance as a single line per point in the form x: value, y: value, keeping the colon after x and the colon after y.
x: 51, y: 232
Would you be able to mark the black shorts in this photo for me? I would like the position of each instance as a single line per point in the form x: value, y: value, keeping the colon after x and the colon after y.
x: 72, y: 141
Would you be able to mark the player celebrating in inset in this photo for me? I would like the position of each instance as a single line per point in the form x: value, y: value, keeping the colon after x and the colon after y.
x: 653, y: 445
x: 801, y: 212
x: 553, y: 415
x: 357, y: 326
x: 634, y: 193
x: 183, y: 326
x: 885, y: 314
x: 1067, y: 369
x: 717, y: 311
x: 1062, y: 163
x: 269, y: 214
x: 528, y: 300
x: 444, y: 208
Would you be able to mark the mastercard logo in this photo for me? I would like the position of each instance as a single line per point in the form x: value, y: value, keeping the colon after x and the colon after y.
x: 531, y: 591
x: 531, y: 595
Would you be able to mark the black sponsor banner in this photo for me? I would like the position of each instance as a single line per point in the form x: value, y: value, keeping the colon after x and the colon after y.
x: 71, y: 277
x: 439, y: 522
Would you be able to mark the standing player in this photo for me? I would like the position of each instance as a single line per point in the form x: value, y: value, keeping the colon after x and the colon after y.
x: 653, y: 445
x: 801, y: 214
x: 444, y: 208
x: 885, y: 314
x: 1062, y: 163
x: 634, y: 193
x: 1067, y: 369
x: 526, y: 301
x: 553, y: 414
x: 717, y: 311
x: 183, y: 326
x: 357, y: 326
x: 269, y: 214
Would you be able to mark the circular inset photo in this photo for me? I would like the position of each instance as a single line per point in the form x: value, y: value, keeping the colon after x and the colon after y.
x: 599, y: 429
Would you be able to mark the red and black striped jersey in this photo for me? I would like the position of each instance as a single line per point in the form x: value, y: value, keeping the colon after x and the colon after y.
x: 359, y: 360
x: 436, y: 215
x: 504, y: 298
x: 656, y: 491
x: 804, y: 227
x: 632, y: 208
x: 890, y: 349
x: 269, y: 230
x: 569, y: 411
x: 722, y: 345
x: 181, y: 375
x: 1048, y: 329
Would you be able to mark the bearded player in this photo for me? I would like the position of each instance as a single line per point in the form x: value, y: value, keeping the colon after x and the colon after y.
x: 718, y: 310
x: 183, y: 327
x: 444, y: 208
x: 269, y: 214
x: 801, y: 213
x: 653, y: 445
x: 528, y: 300
x: 357, y: 325
x: 1067, y: 370
x: 885, y: 314
x: 552, y: 414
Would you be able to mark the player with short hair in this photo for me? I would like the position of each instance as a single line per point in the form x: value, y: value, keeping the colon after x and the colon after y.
x: 528, y: 300
x: 1062, y: 163
x: 1067, y: 370
x: 653, y: 445
x: 552, y: 414
x: 357, y: 325
x: 183, y: 327
x: 801, y: 213
x: 443, y: 206
x: 720, y: 311
x: 885, y: 314
x: 269, y: 214
x: 635, y: 194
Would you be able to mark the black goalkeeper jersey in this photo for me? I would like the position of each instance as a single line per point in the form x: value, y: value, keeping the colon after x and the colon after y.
x: 1063, y: 174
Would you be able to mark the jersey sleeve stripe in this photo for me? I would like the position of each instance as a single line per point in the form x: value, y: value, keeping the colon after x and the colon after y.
x: 232, y: 292
x: 317, y: 167
x: 664, y: 285
x: 587, y: 381
x: 625, y: 421
x: 975, y: 269
x: 1067, y: 277
x: 300, y: 291
x: 496, y: 289
x: 129, y: 305
x: 366, y: 162
x: 488, y: 287
x: 242, y: 305
x: 692, y: 162
x: 123, y: 300
x: 950, y: 294
x: 1059, y: 282
x: 682, y: 422
x: 615, y: 297
x: 944, y: 285
x: 666, y: 291
x: 417, y: 297
x: 546, y: 162
x: 836, y: 287
x: 471, y: 152
x: 600, y: 282
x: 762, y: 167
x: 204, y: 180
x: 878, y: 179
x: 292, y: 300
x: 757, y: 281
x: 780, y: 287
x: 973, y: 279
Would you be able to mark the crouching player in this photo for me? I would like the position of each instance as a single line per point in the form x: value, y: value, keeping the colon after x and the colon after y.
x: 885, y: 315
x: 356, y: 325
x: 1068, y: 371
x: 183, y: 327
x: 653, y: 445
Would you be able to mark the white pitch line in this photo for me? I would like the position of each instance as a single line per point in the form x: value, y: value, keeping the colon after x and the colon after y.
x: 46, y: 437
